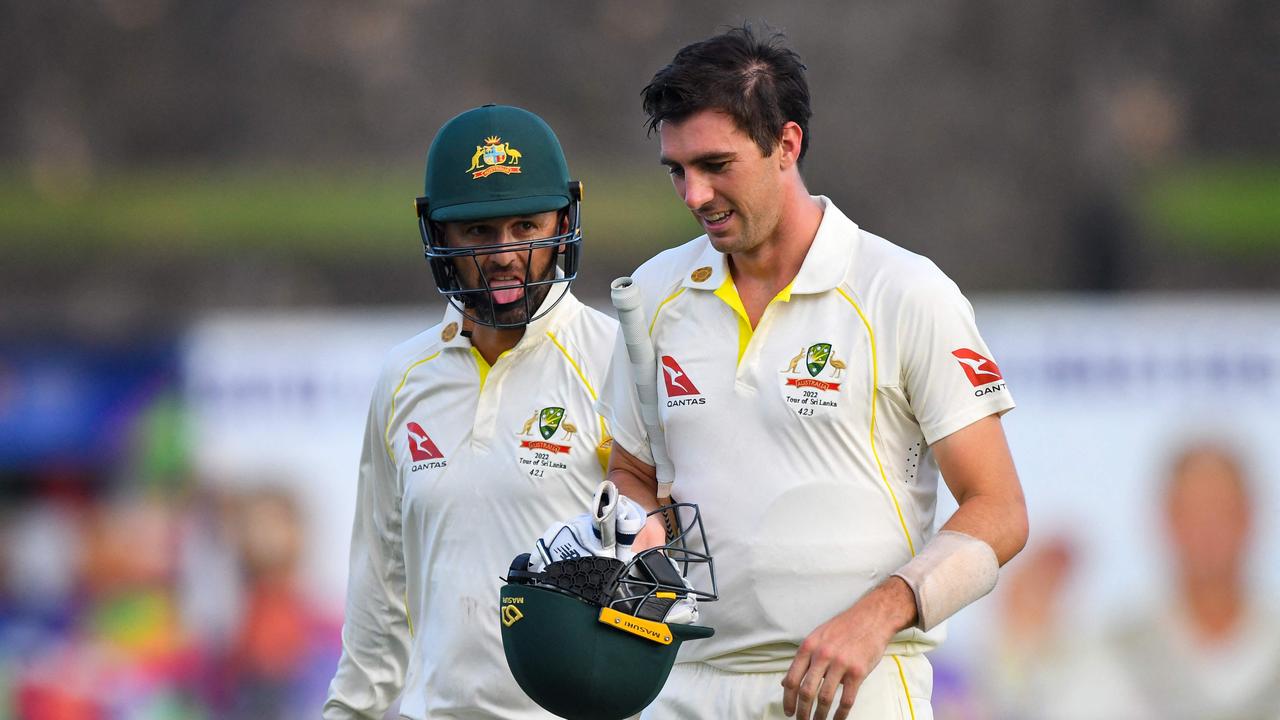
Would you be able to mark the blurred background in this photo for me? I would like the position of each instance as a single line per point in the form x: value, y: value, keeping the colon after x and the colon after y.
x: 206, y: 246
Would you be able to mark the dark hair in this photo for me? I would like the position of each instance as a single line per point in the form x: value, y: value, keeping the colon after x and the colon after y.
x: 759, y: 82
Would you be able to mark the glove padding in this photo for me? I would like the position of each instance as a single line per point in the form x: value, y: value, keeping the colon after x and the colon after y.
x: 609, y: 530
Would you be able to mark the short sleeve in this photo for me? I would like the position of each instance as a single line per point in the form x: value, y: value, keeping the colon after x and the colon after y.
x: 948, y: 373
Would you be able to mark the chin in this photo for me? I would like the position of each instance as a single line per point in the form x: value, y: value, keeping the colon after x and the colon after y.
x: 727, y: 243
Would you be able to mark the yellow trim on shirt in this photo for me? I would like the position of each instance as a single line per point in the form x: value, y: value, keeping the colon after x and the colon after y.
x: 408, y: 618
x: 567, y: 356
x: 601, y: 453
x: 386, y: 434
x: 483, y: 366
x: 875, y: 400
x: 905, y: 690
x: 668, y: 299
x: 728, y: 292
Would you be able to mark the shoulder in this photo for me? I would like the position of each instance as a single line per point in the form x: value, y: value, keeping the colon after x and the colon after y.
x: 411, y: 353
x: 673, y: 261
x: 664, y: 273
x: 587, y: 337
x: 593, y: 324
x: 896, y: 278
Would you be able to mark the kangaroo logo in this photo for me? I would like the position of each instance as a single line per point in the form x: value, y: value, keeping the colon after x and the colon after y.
x: 980, y: 370
x: 420, y: 445
x: 677, y: 381
x: 494, y: 156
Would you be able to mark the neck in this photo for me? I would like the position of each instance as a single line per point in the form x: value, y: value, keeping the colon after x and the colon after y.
x: 491, y: 341
x: 776, y: 261
x: 1215, y: 607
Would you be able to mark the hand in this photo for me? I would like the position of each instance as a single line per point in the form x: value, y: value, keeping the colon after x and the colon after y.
x: 843, y: 651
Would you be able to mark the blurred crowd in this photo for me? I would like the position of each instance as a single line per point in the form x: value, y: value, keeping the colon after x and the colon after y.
x: 157, y: 604
x: 1209, y: 649
x: 160, y: 602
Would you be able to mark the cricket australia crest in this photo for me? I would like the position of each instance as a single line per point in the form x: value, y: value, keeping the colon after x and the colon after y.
x: 494, y: 156
x: 549, y: 421
x: 550, y: 435
x: 816, y: 393
x: 816, y: 358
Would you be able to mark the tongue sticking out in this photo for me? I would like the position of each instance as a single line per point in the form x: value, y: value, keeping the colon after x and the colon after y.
x: 503, y: 292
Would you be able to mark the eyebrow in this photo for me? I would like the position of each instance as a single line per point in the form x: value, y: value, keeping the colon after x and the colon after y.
x: 711, y: 157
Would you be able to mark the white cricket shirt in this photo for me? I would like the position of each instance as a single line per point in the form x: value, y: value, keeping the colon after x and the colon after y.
x: 806, y: 441
x: 464, y: 466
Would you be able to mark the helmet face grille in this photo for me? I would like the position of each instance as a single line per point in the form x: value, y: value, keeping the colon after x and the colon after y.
x: 578, y: 628
x: 591, y: 578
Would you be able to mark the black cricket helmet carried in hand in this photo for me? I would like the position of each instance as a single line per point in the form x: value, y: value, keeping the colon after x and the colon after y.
x: 491, y: 162
x: 587, y: 638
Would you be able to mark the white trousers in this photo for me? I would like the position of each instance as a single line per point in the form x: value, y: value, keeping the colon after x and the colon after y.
x: 899, y: 688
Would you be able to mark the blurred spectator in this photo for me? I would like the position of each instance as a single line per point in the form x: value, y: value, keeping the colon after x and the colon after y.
x: 1214, y: 650
x: 151, y: 607
x: 1031, y: 637
x: 284, y: 652
x: 39, y: 571
x: 123, y: 653
x: 1211, y: 651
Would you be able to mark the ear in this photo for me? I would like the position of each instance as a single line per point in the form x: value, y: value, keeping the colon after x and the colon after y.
x: 789, y: 145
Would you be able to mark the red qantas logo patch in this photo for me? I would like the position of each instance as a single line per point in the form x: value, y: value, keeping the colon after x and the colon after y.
x: 420, y: 445
x: 678, y: 383
x: 980, y: 370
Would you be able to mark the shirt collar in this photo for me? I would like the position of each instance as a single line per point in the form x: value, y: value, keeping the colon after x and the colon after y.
x: 709, y: 269
x: 824, y: 266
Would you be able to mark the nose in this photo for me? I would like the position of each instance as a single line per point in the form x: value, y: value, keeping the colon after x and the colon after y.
x: 506, y: 258
x: 697, y: 191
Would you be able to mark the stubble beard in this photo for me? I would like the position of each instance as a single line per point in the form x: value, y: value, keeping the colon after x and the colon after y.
x: 481, y: 305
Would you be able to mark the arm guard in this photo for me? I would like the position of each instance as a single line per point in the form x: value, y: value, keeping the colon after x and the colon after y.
x: 953, y: 570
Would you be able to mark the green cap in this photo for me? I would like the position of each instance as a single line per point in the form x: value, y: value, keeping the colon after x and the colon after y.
x: 495, y: 161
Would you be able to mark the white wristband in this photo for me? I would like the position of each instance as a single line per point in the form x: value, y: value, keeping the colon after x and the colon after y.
x: 952, y: 571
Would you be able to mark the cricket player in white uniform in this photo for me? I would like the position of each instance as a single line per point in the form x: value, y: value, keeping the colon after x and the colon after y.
x: 482, y: 430
x: 812, y: 381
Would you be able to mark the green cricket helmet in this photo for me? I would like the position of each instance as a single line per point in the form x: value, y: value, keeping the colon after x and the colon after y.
x: 585, y: 638
x: 491, y: 162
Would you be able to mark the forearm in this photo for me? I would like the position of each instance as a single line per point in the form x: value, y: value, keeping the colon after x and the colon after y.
x: 989, y: 527
x: 633, y: 477
x: 1000, y: 522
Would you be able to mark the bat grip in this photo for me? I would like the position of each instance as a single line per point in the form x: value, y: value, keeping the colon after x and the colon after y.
x: 628, y: 302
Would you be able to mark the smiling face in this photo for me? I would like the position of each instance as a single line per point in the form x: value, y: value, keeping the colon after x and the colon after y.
x: 505, y: 273
x: 733, y: 190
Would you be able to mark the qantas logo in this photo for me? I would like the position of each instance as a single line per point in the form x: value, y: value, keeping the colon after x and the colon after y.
x: 679, y: 385
x: 421, y: 447
x: 980, y: 370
